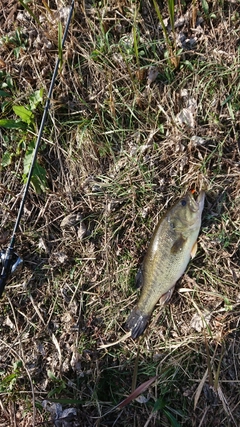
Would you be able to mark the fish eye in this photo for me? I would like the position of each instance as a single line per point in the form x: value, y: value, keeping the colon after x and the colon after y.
x: 183, y: 202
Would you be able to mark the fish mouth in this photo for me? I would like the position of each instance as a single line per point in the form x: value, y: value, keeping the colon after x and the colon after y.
x: 198, y: 203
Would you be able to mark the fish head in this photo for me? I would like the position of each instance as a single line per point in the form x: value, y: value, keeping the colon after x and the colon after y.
x: 188, y: 210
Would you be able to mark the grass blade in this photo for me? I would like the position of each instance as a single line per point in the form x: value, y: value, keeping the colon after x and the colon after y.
x: 30, y: 12
x: 171, y: 13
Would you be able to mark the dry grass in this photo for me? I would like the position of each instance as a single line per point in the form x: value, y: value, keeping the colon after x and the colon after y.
x: 117, y: 154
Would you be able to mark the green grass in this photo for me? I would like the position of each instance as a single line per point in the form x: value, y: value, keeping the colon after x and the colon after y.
x: 114, y: 152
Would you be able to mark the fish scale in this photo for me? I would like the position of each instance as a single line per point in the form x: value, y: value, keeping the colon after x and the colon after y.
x: 167, y: 257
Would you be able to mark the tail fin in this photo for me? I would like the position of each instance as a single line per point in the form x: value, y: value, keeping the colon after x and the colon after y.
x: 136, y: 323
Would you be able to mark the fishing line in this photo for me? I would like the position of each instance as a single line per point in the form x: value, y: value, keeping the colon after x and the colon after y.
x: 8, y: 258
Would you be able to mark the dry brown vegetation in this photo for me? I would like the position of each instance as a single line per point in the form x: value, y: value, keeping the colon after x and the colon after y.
x: 129, y: 131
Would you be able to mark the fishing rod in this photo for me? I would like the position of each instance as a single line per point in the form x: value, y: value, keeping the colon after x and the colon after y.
x: 9, y: 260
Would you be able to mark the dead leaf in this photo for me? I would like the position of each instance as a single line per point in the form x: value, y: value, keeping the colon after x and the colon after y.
x: 197, y: 140
x: 185, y: 117
x: 9, y: 323
x: 82, y: 231
x: 56, y: 343
x: 71, y: 220
x: 152, y: 75
x: 43, y: 246
x: 199, y: 322
x: 142, y: 399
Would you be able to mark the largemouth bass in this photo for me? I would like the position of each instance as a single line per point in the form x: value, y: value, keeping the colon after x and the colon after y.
x: 171, y: 247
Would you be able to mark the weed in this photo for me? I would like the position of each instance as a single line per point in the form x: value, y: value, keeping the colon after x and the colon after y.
x: 24, y: 127
x: 8, y: 383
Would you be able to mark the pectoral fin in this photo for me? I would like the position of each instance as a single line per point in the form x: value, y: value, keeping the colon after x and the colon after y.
x: 194, y: 250
x: 178, y: 245
x: 167, y: 296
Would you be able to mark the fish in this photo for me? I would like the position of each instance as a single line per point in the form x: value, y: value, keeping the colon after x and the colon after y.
x: 171, y: 247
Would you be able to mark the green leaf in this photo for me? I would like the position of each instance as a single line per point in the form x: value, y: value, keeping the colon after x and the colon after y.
x: 16, y: 365
x: 205, y: 7
x: 12, y: 124
x: 23, y: 113
x: 159, y: 404
x: 35, y: 99
x: 188, y: 64
x: 38, y: 178
x: 28, y: 158
x: 51, y: 375
x: 4, y: 94
x: 6, y: 159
